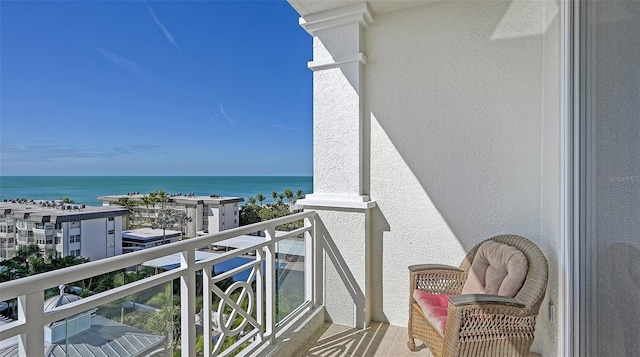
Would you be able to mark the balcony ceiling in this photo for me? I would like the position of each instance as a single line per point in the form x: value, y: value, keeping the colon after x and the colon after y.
x: 307, y: 7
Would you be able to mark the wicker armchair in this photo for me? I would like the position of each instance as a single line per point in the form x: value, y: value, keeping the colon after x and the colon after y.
x: 478, y: 324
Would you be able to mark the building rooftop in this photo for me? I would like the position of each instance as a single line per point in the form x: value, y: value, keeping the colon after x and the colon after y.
x: 56, y: 211
x: 148, y: 233
x: 105, y: 338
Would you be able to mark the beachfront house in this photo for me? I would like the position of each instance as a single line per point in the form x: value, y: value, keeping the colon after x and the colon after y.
x: 438, y: 124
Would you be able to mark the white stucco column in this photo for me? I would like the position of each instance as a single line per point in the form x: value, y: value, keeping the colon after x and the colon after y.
x: 340, y: 188
x: 338, y: 65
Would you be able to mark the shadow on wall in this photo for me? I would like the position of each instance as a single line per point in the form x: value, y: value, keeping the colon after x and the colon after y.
x: 617, y: 310
x: 379, y: 226
x: 464, y: 111
x: 464, y: 114
x: 337, y: 260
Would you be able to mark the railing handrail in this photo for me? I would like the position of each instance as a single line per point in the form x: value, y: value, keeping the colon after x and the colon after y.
x: 35, y: 283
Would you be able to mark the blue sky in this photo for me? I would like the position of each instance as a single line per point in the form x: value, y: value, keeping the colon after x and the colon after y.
x: 154, y: 88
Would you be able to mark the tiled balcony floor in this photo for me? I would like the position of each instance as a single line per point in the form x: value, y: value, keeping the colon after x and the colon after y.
x: 379, y: 340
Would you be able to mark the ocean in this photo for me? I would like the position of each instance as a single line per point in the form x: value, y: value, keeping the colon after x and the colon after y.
x: 86, y: 189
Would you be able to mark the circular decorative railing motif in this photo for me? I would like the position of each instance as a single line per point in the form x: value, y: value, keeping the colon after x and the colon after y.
x: 225, y: 324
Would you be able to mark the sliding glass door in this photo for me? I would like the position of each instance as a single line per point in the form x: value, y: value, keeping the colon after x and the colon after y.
x: 609, y: 178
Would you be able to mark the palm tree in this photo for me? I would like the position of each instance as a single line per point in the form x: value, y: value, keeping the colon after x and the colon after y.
x: 164, y: 220
x: 274, y: 194
x: 67, y: 200
x: 289, y: 195
x: 182, y: 218
x: 252, y: 200
x: 128, y: 204
x: 162, y: 198
x: 280, y: 198
x: 24, y: 252
x: 300, y: 194
x: 154, y: 200
x: 260, y: 197
x: 146, y: 200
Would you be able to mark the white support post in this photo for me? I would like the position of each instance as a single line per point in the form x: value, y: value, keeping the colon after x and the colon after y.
x: 270, y: 285
x: 207, y: 275
x: 341, y: 163
x: 187, y: 303
x: 31, y: 343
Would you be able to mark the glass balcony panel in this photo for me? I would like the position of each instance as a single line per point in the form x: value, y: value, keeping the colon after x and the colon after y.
x: 290, y: 276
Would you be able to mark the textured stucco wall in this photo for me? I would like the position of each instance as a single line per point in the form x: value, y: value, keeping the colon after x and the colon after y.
x: 336, y: 123
x: 342, y: 237
x: 453, y: 93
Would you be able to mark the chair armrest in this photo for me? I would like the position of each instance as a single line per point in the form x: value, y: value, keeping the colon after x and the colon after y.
x: 436, y: 278
x: 421, y: 267
x: 473, y: 319
x: 483, y: 299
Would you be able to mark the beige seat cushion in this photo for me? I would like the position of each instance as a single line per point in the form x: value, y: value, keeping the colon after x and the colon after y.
x: 498, y: 269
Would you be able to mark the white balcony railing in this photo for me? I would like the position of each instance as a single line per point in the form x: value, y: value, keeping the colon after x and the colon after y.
x: 247, y: 312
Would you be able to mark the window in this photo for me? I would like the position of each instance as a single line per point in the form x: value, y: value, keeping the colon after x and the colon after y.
x: 74, y: 238
x: 40, y: 239
x: 235, y: 213
x: 110, y: 219
x: 111, y: 231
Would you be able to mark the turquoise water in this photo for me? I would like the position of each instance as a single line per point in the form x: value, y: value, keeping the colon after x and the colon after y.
x: 85, y: 189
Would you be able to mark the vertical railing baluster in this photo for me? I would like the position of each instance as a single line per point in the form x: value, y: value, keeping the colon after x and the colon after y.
x: 260, y: 301
x: 187, y: 303
x: 270, y: 284
x: 30, y: 310
x: 207, y: 312
x: 308, y: 263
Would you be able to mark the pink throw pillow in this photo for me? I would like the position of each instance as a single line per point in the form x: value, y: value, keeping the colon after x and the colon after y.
x: 434, y: 307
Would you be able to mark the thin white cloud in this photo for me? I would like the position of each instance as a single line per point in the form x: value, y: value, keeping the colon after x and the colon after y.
x: 166, y: 32
x: 285, y: 127
x: 56, y: 152
x: 222, y: 111
x: 122, y: 62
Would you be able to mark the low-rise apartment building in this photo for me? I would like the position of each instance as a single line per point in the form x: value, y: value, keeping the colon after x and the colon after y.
x: 143, y: 238
x: 209, y: 214
x: 68, y: 229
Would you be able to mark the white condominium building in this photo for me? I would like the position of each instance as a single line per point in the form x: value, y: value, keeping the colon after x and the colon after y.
x: 68, y: 229
x: 209, y: 214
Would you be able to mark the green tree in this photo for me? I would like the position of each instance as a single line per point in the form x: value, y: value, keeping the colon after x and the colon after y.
x: 260, y: 197
x: 274, y: 194
x: 182, y: 218
x: 67, y: 200
x: 249, y: 214
x: 147, y: 201
x: 129, y: 205
x: 299, y: 194
x: 165, y: 220
x: 289, y: 195
x: 162, y: 198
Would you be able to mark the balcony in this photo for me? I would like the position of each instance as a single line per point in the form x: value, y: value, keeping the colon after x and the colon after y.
x: 255, y: 305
